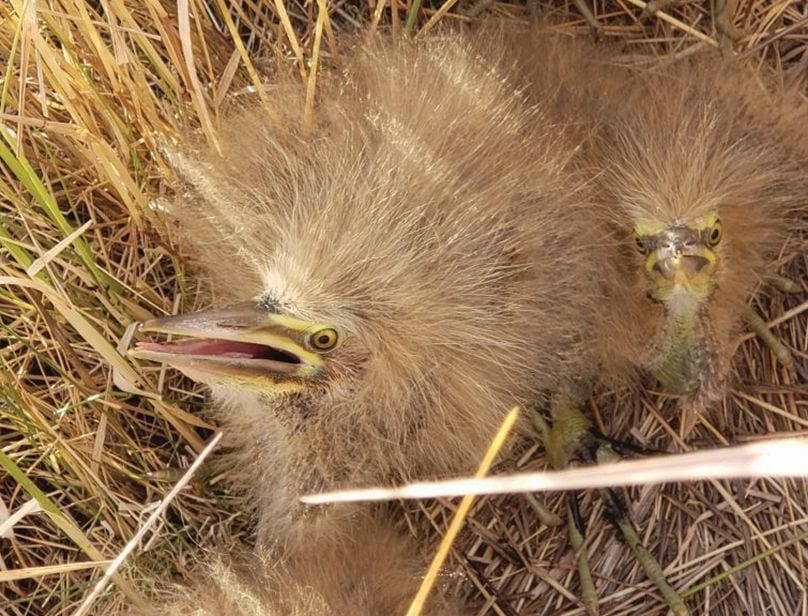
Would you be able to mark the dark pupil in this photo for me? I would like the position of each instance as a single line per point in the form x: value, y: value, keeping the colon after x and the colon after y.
x: 715, y: 234
x: 323, y: 340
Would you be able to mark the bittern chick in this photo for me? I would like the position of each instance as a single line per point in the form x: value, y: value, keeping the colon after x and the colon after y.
x: 700, y: 185
x: 398, y: 277
x: 698, y: 177
x: 373, y: 571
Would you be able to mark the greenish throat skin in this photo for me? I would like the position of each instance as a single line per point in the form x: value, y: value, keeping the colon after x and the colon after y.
x: 682, y: 360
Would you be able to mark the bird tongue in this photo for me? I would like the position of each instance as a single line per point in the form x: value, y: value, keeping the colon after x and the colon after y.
x: 221, y: 348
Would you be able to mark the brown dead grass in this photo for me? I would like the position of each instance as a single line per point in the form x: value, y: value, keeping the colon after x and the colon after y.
x: 88, y: 90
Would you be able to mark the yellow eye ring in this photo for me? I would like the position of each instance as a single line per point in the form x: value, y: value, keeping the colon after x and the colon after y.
x: 714, y: 234
x: 639, y: 244
x: 324, y: 339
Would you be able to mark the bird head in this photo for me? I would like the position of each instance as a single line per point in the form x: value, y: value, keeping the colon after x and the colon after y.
x: 680, y: 258
x: 701, y: 181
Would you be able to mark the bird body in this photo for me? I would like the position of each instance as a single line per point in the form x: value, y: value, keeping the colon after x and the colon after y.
x: 697, y: 179
x: 430, y: 222
x: 397, y: 278
x: 712, y: 193
x: 370, y: 572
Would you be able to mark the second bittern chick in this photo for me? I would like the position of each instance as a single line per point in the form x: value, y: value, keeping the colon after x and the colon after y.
x: 396, y: 278
x: 372, y: 571
x: 702, y: 183
x: 699, y: 177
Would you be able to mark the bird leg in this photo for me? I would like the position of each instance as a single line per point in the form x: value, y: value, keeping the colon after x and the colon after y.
x: 759, y: 326
x: 576, y: 530
x: 782, y: 283
x: 586, y: 12
x: 723, y: 22
x: 561, y: 440
x: 780, y: 350
x: 572, y: 439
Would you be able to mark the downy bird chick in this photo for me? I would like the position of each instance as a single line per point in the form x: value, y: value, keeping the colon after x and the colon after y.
x: 394, y: 280
x: 373, y: 570
x: 697, y: 177
x: 700, y: 185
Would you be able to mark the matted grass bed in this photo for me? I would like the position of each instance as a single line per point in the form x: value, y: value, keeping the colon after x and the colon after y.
x: 89, y: 91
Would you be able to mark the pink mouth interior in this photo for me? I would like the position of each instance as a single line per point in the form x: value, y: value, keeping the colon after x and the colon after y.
x: 222, y: 348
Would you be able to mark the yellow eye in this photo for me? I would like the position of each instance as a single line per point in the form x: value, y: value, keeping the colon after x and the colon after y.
x: 324, y: 339
x: 714, y: 234
x: 639, y: 244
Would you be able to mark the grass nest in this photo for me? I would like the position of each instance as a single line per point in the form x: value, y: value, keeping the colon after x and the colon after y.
x: 88, y: 92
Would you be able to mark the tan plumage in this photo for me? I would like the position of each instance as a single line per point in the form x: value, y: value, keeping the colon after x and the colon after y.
x: 697, y: 177
x: 666, y: 146
x: 434, y: 222
x: 708, y: 146
x: 431, y: 223
x: 372, y: 571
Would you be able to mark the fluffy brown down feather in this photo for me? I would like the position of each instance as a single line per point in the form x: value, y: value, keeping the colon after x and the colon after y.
x: 666, y: 142
x: 434, y: 213
x: 433, y: 216
x: 429, y: 215
x: 373, y: 571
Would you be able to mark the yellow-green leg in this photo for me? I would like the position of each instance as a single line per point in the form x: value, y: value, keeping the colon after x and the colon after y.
x: 571, y: 439
x: 759, y: 327
x: 575, y: 529
x: 561, y: 439
x: 781, y: 283
x: 781, y: 351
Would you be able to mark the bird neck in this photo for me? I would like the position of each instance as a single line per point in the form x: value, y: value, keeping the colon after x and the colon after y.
x: 682, y: 358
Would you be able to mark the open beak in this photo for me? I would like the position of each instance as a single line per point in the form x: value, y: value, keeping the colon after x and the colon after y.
x: 679, y: 264
x: 680, y: 267
x: 240, y: 345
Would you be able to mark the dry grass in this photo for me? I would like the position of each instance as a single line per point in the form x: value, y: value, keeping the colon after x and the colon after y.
x: 87, y: 90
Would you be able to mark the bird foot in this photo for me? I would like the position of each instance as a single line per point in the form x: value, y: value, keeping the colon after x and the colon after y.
x: 572, y: 439
x: 782, y: 283
x: 649, y: 564
x: 576, y: 534
x: 780, y: 350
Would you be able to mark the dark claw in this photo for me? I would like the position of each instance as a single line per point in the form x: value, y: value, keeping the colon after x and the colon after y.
x: 575, y: 511
x: 614, y: 507
x: 625, y: 447
x: 801, y: 371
